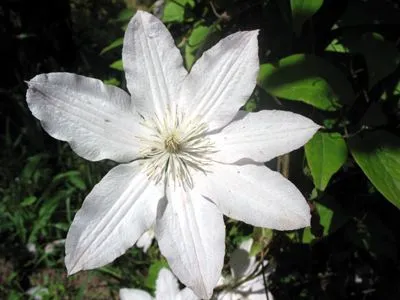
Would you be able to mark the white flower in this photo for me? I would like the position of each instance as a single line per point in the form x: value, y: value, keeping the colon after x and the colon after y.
x: 50, y: 247
x: 243, y: 265
x: 146, y: 239
x: 188, y: 156
x: 166, y: 289
x: 31, y: 247
x: 37, y: 292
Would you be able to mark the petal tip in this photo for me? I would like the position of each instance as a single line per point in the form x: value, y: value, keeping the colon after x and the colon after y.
x: 72, y: 268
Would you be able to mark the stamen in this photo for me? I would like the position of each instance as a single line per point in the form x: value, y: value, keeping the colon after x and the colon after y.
x: 172, y: 144
x: 175, y: 148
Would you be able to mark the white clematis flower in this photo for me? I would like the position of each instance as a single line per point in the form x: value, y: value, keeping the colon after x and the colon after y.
x: 182, y: 145
x: 243, y: 265
x: 166, y: 289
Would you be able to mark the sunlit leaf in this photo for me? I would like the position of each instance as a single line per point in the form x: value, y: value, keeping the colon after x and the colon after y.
x: 306, y: 78
x: 112, y: 81
x: 155, y: 267
x: 117, y: 65
x: 194, y: 42
x: 378, y: 155
x: 325, y: 153
x: 176, y: 10
x: 302, y: 10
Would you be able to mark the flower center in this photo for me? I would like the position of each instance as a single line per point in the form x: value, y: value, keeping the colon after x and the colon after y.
x: 171, y: 144
x: 174, y: 148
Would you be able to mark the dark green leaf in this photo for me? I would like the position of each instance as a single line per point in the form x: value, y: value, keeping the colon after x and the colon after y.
x: 378, y: 155
x: 28, y: 201
x: 381, y: 56
x: 115, y: 44
x: 125, y: 15
x: 302, y: 10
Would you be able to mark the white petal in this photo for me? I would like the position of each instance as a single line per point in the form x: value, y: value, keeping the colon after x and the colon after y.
x: 191, y: 234
x: 256, y: 195
x: 145, y: 240
x: 166, y: 285
x: 229, y: 295
x: 113, y: 216
x: 95, y: 119
x: 153, y: 64
x: 187, y: 294
x: 133, y: 294
x: 254, y: 289
x: 241, y: 263
x: 262, y: 136
x: 222, y: 80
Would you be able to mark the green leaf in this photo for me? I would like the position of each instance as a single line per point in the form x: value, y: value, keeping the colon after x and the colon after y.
x: 306, y: 78
x: 28, y: 201
x: 262, y: 237
x: 327, y: 212
x: 155, y: 267
x: 117, y: 65
x: 326, y: 153
x: 125, y: 15
x: 251, y: 105
x: 194, y: 42
x: 302, y: 10
x: 382, y: 57
x: 176, y: 10
x: 115, y: 44
x: 32, y: 165
x: 329, y: 218
x: 378, y: 155
x: 307, y: 236
x: 112, y: 81
x: 73, y: 177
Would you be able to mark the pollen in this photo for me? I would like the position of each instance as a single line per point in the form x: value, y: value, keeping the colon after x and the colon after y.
x: 172, y: 144
x: 175, y: 148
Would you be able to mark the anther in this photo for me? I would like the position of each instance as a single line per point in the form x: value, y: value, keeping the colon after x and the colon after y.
x: 171, y: 144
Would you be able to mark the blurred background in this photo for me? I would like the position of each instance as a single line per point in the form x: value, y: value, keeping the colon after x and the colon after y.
x: 335, y: 61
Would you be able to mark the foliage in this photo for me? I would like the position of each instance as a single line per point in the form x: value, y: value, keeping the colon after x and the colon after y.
x: 334, y: 61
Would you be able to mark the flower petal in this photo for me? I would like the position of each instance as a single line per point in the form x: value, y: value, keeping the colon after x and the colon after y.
x: 256, y: 195
x: 222, y: 80
x: 153, y: 64
x: 166, y: 285
x: 134, y: 294
x: 113, y: 216
x: 262, y: 136
x: 94, y: 118
x: 187, y: 294
x: 190, y: 232
x: 241, y: 263
x: 145, y: 240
